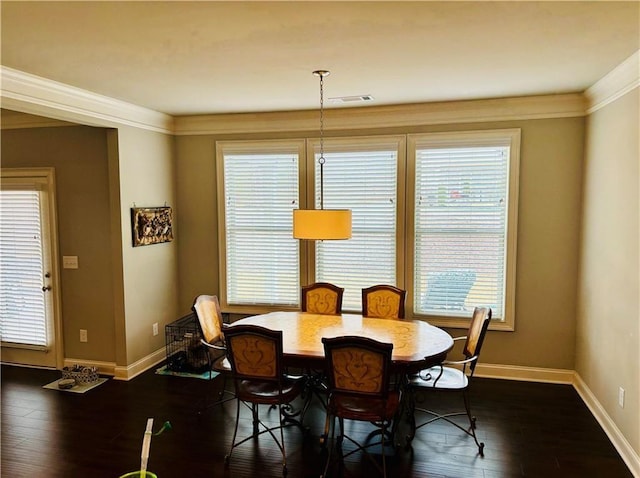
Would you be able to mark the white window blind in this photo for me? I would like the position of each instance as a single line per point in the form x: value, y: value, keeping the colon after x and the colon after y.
x: 461, y: 200
x: 262, y: 258
x: 365, y: 181
x: 22, y: 302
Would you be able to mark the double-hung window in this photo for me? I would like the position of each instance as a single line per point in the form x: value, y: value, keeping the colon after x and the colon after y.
x: 258, y: 187
x: 365, y: 175
x: 464, y: 224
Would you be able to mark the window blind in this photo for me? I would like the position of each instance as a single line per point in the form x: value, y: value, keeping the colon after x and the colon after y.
x: 364, y: 181
x: 262, y: 258
x: 22, y: 301
x: 460, y: 229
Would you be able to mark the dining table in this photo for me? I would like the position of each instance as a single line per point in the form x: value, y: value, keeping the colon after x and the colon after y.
x: 416, y: 343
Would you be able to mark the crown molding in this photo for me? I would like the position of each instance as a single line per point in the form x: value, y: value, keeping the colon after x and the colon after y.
x: 27, y: 93
x: 473, y: 111
x: 15, y: 120
x: 35, y: 95
x: 619, y: 81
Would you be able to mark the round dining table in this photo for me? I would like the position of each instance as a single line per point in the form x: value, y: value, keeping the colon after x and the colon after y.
x: 416, y: 344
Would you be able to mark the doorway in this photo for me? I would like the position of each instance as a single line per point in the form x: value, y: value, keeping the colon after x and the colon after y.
x: 30, y: 322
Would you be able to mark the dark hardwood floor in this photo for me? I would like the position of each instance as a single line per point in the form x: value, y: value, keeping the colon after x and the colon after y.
x: 529, y: 429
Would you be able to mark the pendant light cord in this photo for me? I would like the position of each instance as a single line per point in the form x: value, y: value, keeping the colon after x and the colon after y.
x: 321, y: 160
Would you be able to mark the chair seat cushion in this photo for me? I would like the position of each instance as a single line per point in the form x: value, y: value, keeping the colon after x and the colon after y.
x: 267, y: 392
x: 222, y: 365
x: 451, y: 379
x: 364, y: 408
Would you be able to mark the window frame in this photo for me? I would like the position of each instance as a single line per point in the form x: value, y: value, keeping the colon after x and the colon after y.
x: 353, y: 144
x: 255, y: 147
x: 468, y: 139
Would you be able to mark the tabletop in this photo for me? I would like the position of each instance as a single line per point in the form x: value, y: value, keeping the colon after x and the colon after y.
x: 415, y: 343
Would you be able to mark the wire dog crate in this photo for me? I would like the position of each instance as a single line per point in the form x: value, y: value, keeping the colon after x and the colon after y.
x: 185, y: 352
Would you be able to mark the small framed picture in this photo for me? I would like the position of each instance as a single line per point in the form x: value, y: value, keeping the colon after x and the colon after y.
x: 151, y: 225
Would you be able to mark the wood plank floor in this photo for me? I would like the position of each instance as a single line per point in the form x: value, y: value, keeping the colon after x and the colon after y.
x: 529, y: 429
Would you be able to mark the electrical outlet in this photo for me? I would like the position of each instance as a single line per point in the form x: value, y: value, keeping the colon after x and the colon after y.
x: 621, y: 397
x: 83, y: 335
x: 155, y: 328
x: 69, y: 262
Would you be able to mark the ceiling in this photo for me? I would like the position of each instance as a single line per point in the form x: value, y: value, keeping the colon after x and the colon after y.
x: 187, y: 58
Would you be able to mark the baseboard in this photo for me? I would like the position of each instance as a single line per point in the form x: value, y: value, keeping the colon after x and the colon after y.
x: 120, y: 372
x: 104, y: 368
x: 142, y: 365
x: 628, y: 454
x: 570, y: 377
x: 527, y: 374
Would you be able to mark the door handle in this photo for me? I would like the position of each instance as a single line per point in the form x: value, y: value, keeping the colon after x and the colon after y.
x: 46, y: 288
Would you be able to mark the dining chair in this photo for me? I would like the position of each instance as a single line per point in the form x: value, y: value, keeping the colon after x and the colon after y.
x: 322, y: 298
x: 451, y: 376
x: 207, y: 310
x: 255, y: 356
x: 359, y: 375
x: 383, y: 301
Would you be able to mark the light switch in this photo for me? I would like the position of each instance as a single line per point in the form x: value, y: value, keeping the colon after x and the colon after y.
x: 69, y: 262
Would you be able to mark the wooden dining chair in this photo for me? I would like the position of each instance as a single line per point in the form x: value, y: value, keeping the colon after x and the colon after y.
x: 383, y: 301
x: 451, y: 376
x: 359, y: 375
x: 255, y: 355
x: 207, y: 310
x: 322, y: 298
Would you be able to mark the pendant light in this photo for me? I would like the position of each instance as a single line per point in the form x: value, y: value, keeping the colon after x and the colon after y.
x: 321, y: 224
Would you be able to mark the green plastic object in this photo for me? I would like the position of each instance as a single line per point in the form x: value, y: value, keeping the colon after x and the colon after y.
x: 138, y: 474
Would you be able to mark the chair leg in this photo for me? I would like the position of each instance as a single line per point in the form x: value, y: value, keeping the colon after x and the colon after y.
x: 235, y: 433
x: 330, y: 423
x: 384, y: 461
x: 284, y: 454
x: 472, y: 423
x: 325, y: 435
x: 254, y: 416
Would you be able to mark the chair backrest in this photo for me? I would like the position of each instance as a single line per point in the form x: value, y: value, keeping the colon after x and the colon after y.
x: 358, y: 366
x: 254, y: 352
x: 475, y: 335
x: 383, y: 301
x: 207, y: 309
x: 322, y: 298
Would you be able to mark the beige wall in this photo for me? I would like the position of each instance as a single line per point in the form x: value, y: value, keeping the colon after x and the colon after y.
x: 79, y: 156
x: 196, y: 199
x: 150, y: 273
x: 608, y: 313
x: 550, y: 189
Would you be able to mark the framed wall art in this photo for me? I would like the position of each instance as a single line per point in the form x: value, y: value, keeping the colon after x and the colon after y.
x: 151, y: 225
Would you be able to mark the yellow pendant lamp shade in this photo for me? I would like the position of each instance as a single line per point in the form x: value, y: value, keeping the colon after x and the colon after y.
x: 322, y: 224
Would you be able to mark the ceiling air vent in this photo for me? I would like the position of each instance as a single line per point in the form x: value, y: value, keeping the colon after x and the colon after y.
x: 351, y: 99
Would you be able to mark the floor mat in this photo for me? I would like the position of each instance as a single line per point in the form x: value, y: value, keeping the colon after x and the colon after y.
x: 78, y: 388
x: 204, y: 375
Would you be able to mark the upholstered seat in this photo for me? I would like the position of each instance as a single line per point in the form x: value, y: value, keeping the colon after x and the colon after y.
x: 358, y: 369
x: 451, y: 376
x: 255, y: 356
x: 383, y: 301
x: 207, y: 310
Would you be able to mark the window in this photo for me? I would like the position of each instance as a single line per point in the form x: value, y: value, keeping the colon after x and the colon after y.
x: 22, y: 303
x: 464, y: 223
x: 260, y: 188
x: 362, y: 175
x: 435, y: 214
